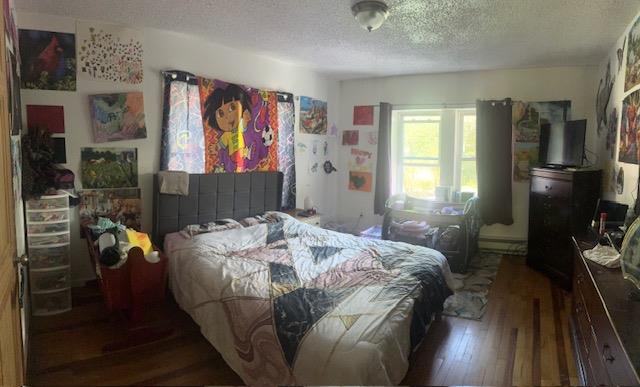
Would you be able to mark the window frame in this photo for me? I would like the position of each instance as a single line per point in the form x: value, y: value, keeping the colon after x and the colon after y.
x: 450, y: 147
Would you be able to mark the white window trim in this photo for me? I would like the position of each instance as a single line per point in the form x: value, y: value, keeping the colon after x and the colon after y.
x: 454, y: 142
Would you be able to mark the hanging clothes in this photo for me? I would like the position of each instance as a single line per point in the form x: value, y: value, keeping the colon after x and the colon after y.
x: 286, y: 149
x: 183, y: 144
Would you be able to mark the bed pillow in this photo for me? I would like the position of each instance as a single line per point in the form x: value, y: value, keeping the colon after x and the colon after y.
x: 269, y: 217
x: 219, y: 225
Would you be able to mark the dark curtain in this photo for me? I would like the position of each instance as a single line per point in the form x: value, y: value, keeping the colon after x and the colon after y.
x: 383, y: 165
x: 286, y: 149
x: 493, y: 158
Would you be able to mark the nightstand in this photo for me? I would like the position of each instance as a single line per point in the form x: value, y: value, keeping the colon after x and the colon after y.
x: 313, y: 220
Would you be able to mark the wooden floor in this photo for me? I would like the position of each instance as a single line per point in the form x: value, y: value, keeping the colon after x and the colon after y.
x: 523, y: 339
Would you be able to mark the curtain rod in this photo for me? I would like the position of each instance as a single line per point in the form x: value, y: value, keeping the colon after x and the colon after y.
x: 429, y: 105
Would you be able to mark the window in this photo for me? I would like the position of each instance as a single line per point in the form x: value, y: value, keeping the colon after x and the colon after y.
x: 434, y: 147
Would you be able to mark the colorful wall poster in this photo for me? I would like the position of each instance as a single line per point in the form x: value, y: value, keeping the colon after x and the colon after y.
x: 360, y: 181
x: 527, y: 117
x: 109, y: 167
x: 363, y: 115
x: 109, y: 52
x: 360, y: 170
x: 350, y: 137
x: 632, y: 74
x: 48, y: 60
x: 602, y: 98
x: 628, y: 146
x: 120, y: 205
x: 240, y: 127
x: 46, y: 116
x: 313, y: 116
x: 117, y: 116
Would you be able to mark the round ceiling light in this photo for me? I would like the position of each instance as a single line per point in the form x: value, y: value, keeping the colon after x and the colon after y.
x: 370, y: 14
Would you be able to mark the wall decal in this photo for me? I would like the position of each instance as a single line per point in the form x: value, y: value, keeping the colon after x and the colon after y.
x: 117, y: 116
x: 328, y: 167
x: 526, y: 120
x: 620, y: 181
x: 301, y: 146
x: 46, y: 116
x: 121, y: 204
x: 363, y: 115
x: 109, y: 167
x: 628, y: 146
x: 632, y: 75
x: 372, y: 138
x: 313, y: 116
x: 48, y: 60
x: 109, y: 52
x: 350, y: 137
x: 333, y: 130
x: 602, y: 99
x: 240, y: 127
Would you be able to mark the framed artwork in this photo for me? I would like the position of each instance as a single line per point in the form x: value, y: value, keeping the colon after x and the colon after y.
x: 48, y: 60
x: 632, y: 74
x: 117, y: 116
x: 46, y: 116
x: 363, y: 115
x: 313, y: 116
x: 350, y: 137
x: 109, y: 167
x: 628, y: 146
x: 109, y: 52
x: 121, y: 204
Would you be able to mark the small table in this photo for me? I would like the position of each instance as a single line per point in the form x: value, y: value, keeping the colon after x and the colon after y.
x: 313, y: 220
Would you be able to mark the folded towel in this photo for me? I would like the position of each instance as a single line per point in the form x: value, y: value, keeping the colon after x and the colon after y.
x: 173, y: 182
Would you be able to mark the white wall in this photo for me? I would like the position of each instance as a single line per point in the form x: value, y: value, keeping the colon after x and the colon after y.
x: 618, y: 94
x: 536, y: 84
x: 163, y: 51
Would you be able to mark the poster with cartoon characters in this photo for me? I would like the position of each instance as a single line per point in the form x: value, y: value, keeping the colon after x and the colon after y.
x: 240, y: 127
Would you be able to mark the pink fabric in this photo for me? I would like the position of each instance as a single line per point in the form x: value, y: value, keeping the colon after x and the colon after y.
x: 172, y: 242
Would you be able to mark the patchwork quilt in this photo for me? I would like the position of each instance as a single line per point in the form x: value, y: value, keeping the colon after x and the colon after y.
x: 289, y: 303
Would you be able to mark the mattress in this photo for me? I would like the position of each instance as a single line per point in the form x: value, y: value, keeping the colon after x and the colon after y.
x: 289, y: 303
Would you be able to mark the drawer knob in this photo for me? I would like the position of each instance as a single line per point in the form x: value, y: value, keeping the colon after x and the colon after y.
x: 606, y: 354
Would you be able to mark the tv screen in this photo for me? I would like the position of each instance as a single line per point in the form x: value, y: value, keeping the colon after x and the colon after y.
x: 562, y: 143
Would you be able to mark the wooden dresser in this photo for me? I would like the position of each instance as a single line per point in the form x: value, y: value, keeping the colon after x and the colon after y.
x: 561, y: 204
x: 605, y: 322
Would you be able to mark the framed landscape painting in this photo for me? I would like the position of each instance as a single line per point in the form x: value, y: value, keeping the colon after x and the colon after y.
x: 109, y: 167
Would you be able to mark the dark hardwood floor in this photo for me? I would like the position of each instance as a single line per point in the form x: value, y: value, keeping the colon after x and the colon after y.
x: 523, y: 339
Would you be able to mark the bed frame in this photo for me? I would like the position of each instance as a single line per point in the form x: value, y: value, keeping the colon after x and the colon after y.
x: 215, y: 196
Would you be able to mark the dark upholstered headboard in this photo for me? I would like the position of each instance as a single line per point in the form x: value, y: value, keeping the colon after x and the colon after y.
x: 215, y: 196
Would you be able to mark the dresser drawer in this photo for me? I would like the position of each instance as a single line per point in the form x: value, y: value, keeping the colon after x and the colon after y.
x: 551, y: 187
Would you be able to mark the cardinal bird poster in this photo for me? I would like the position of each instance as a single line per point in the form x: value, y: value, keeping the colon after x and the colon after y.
x: 48, y: 60
x: 240, y: 127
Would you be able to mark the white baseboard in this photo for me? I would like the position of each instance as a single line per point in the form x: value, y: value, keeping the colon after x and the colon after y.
x: 511, y: 246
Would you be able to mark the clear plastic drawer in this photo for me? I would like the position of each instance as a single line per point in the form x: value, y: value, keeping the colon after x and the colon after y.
x: 47, y: 227
x: 48, y: 202
x: 47, y: 280
x: 48, y: 240
x: 43, y: 257
x: 47, y: 215
x: 51, y: 303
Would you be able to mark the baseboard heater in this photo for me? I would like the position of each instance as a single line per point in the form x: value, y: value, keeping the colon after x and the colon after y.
x: 510, y: 246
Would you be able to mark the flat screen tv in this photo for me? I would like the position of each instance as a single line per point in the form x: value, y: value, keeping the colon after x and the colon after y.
x: 562, y: 143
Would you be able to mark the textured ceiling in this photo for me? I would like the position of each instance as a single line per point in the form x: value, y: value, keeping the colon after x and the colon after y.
x: 420, y: 36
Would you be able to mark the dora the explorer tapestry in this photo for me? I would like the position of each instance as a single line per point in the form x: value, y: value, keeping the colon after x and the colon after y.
x: 240, y: 127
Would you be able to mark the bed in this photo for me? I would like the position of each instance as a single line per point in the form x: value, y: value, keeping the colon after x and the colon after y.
x: 288, y: 303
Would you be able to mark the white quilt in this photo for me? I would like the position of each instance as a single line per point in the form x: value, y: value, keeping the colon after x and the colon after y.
x: 289, y: 303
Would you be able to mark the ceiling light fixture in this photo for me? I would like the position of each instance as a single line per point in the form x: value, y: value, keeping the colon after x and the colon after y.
x: 370, y: 14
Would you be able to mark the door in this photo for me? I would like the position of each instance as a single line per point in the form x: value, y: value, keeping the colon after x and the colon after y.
x: 11, y: 363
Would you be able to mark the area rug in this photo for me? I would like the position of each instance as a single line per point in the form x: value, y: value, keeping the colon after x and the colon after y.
x: 472, y: 288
